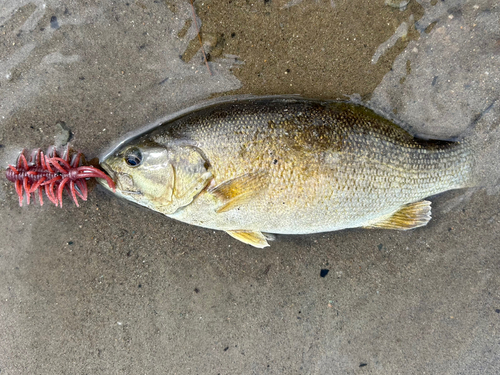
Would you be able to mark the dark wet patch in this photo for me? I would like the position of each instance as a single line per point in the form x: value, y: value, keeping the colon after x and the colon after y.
x: 340, y: 64
x: 182, y: 33
x: 429, y: 28
x: 213, y: 44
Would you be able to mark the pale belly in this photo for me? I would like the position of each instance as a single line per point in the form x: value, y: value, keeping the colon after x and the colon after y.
x: 295, y: 216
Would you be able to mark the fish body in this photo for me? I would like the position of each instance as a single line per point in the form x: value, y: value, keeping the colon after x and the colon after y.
x: 287, y: 166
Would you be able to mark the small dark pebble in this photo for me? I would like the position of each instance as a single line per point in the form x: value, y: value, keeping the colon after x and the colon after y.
x: 226, y: 348
x: 81, y: 78
x: 267, y: 1
x: 324, y: 272
x: 380, y: 246
x: 196, y: 290
x: 363, y: 364
x: 288, y: 70
x: 275, y: 161
x: 53, y: 23
x: 139, y: 286
x: 497, y: 311
x: 233, y: 35
x: 70, y: 242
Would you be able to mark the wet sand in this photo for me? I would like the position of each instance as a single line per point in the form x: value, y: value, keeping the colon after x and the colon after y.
x: 112, y: 288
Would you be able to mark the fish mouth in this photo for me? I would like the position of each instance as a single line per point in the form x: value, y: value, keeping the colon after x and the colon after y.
x: 110, y: 173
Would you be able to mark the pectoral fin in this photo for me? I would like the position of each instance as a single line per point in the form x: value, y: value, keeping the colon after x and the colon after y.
x: 409, y: 216
x: 253, y: 238
x: 239, y: 190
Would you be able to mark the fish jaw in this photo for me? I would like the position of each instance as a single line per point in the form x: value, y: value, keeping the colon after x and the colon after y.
x: 110, y: 173
x: 118, y: 179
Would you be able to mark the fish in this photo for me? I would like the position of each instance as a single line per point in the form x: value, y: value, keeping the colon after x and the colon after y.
x: 276, y: 165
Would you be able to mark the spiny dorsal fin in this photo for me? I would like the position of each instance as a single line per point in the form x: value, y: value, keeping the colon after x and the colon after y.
x: 239, y: 190
x: 409, y: 216
x: 254, y: 238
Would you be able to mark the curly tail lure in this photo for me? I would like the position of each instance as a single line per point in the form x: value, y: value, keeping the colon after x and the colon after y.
x: 53, y: 174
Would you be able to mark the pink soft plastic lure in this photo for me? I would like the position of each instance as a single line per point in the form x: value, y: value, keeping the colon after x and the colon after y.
x: 53, y: 173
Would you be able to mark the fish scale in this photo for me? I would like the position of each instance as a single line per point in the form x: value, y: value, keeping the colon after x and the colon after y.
x: 291, y: 166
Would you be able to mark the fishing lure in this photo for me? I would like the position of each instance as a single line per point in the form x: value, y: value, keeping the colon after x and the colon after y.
x: 53, y: 174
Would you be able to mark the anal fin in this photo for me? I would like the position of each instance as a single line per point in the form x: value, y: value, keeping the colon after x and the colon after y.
x: 254, y: 238
x: 409, y: 216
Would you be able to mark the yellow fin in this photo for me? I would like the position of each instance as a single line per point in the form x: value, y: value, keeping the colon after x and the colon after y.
x: 239, y: 190
x: 409, y: 216
x: 254, y: 238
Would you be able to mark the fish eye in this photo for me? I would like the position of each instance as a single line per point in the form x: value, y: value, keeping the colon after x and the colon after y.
x: 133, y: 157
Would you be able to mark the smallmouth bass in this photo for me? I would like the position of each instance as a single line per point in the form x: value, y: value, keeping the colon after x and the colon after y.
x: 287, y: 166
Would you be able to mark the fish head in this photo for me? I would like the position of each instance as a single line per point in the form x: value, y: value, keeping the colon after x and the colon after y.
x: 161, y: 177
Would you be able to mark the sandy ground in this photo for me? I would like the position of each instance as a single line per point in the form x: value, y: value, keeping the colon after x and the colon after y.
x: 112, y: 288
